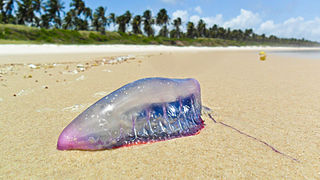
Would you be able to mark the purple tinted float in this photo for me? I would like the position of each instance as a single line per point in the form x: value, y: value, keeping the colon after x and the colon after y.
x: 147, y: 110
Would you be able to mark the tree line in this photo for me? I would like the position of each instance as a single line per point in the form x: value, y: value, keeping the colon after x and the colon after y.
x: 50, y: 14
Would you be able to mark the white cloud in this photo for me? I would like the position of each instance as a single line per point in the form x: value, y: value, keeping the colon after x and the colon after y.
x: 195, y: 19
x: 294, y: 27
x: 218, y: 19
x: 182, y: 14
x: 198, y: 9
x: 210, y: 21
x: 246, y: 19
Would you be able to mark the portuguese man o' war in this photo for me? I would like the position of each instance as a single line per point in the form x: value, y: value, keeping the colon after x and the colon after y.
x: 146, y: 110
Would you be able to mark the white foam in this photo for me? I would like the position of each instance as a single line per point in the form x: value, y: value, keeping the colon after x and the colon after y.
x: 10, y: 49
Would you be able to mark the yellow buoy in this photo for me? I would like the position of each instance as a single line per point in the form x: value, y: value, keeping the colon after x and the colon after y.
x: 262, y: 55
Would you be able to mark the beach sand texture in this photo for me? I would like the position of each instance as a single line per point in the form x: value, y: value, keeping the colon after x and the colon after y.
x: 276, y: 101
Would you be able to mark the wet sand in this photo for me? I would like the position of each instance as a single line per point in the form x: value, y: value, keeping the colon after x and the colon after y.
x: 267, y: 116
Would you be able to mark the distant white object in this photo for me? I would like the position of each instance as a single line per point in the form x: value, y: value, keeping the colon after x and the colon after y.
x: 6, y: 70
x: 1, y: 99
x: 80, y: 67
x: 120, y: 59
x: 32, y: 66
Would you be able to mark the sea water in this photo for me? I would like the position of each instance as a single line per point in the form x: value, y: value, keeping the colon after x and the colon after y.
x: 310, y: 54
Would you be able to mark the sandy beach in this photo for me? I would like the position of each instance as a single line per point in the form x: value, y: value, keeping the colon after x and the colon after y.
x: 267, y: 113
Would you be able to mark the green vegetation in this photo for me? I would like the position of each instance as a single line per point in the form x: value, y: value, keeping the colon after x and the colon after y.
x: 37, y: 21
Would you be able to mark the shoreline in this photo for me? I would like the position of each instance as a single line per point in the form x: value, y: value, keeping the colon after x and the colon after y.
x: 9, y: 49
x: 49, y: 53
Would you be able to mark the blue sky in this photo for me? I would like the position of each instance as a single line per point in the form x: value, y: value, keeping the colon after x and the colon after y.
x: 284, y: 18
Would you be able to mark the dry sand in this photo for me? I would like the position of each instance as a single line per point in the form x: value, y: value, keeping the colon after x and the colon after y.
x: 275, y: 102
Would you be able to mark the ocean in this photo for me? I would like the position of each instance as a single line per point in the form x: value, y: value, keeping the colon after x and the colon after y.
x: 310, y: 54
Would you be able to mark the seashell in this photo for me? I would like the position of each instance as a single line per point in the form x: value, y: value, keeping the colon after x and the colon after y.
x: 147, y: 110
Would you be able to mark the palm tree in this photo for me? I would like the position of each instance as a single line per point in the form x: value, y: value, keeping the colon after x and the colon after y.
x: 221, y: 33
x: 248, y: 33
x: 2, y: 12
x: 136, y: 24
x: 128, y: 17
x: 123, y: 21
x: 191, y: 31
x: 162, y: 20
x: 148, y: 21
x: 26, y: 12
x: 54, y: 10
x: 111, y: 19
x: 213, y: 31
x: 79, y: 15
x: 100, y: 20
x: 177, y: 24
x: 120, y: 20
x: 201, y: 28
x: 69, y: 20
x: 8, y: 11
x: 45, y: 21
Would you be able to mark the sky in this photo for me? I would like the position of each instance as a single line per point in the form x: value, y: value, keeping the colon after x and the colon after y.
x: 283, y: 18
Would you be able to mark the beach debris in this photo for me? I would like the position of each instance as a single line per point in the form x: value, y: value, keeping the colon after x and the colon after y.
x: 6, y: 70
x: 262, y: 55
x: 120, y: 59
x: 100, y: 94
x: 156, y: 109
x: 80, y: 78
x: 32, y: 66
x: 27, y: 76
x: 106, y: 70
x: 22, y: 92
x: 74, y: 108
x: 103, y: 61
x: 45, y: 87
x: 80, y: 67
